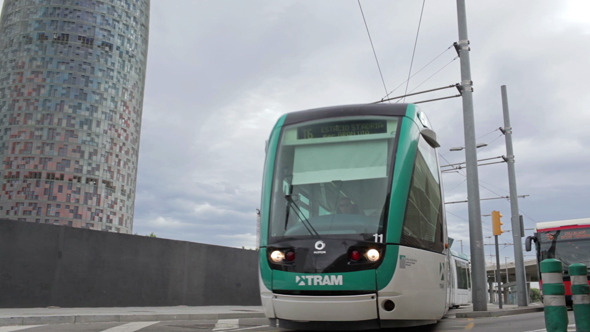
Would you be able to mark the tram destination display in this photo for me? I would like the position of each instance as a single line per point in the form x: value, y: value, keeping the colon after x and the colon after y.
x: 342, y: 128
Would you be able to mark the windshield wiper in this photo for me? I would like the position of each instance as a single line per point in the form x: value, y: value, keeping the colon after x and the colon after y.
x: 292, y: 205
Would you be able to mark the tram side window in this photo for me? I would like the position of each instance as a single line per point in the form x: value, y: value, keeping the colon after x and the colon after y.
x: 463, y: 281
x: 423, y: 226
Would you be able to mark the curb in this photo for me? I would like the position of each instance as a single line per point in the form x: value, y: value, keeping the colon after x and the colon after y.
x: 498, y: 312
x: 77, y: 319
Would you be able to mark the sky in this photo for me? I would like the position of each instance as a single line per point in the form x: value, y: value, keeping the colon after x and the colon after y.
x: 220, y: 73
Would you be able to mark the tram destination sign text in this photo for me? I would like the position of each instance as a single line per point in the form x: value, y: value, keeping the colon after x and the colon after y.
x: 567, y: 234
x: 342, y: 128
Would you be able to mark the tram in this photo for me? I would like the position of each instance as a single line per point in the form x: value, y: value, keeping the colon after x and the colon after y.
x: 460, y: 279
x: 352, y: 226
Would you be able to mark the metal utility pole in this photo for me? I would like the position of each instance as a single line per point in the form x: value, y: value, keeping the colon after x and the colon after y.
x: 499, y: 276
x: 506, y: 266
x: 515, y: 216
x: 475, y: 229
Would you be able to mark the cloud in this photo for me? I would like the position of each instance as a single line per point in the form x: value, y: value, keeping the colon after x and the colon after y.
x: 215, y: 90
x: 166, y: 222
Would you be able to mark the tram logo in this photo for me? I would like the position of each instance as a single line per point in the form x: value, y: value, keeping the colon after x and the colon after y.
x: 319, y: 280
x: 319, y: 247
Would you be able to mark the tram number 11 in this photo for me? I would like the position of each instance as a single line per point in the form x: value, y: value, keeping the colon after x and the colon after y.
x: 378, y: 238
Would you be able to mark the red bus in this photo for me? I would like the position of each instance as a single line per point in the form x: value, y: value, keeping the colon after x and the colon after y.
x: 565, y: 240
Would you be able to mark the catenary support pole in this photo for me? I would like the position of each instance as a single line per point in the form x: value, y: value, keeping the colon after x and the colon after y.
x: 519, y: 269
x: 475, y: 229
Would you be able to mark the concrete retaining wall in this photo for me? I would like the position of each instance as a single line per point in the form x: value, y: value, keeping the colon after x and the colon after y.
x: 46, y: 265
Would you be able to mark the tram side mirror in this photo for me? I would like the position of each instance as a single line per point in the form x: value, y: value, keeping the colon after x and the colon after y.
x: 288, y: 190
x: 430, y: 137
x: 527, y: 243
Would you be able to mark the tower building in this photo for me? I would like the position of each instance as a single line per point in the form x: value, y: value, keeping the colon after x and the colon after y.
x: 72, y: 76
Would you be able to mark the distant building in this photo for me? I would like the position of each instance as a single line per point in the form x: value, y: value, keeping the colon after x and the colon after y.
x: 72, y: 78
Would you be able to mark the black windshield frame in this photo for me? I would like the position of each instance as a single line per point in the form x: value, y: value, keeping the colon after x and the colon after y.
x: 289, y: 198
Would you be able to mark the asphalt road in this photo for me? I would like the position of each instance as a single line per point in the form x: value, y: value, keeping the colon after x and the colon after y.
x: 528, y: 322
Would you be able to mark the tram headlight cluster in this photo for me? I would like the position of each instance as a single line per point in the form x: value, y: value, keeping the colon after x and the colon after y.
x: 355, y: 255
x: 372, y: 255
x: 279, y: 256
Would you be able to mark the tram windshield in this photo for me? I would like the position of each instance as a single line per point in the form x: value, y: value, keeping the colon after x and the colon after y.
x: 571, y: 245
x: 331, y: 178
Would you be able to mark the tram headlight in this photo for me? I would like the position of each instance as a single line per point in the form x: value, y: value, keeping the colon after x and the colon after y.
x: 277, y: 256
x: 373, y: 255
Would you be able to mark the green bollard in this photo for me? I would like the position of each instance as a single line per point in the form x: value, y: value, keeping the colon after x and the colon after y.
x: 581, y: 296
x: 554, y: 295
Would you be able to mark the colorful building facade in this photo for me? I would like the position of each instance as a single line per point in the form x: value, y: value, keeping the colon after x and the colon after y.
x: 72, y: 76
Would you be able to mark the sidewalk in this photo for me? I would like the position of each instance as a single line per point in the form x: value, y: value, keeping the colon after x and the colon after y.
x: 56, y: 315
x: 494, y: 310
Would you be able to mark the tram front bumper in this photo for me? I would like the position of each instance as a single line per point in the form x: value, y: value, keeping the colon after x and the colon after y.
x: 325, y: 308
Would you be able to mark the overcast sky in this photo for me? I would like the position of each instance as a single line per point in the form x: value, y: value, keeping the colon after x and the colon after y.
x: 220, y: 73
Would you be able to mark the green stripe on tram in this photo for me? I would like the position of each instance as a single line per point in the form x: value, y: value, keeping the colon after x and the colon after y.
x: 265, y: 270
x: 402, y: 176
x: 269, y: 166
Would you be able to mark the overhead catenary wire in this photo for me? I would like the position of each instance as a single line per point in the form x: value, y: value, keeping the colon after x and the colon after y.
x: 402, y: 97
x: 461, y: 163
x: 414, y: 50
x: 417, y: 93
x: 436, y: 99
x: 434, y: 74
x: 495, y: 139
x: 372, y: 46
x: 420, y: 70
x: 410, y: 75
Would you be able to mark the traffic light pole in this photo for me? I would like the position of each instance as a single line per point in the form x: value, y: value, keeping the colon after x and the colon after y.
x: 517, y: 232
x: 498, y: 275
x: 497, y: 230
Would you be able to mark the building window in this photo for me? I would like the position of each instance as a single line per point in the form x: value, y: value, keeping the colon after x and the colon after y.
x: 106, y: 46
x: 86, y: 41
x: 61, y: 38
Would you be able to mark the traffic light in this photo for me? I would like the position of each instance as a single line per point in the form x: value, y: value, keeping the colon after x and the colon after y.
x: 497, y: 223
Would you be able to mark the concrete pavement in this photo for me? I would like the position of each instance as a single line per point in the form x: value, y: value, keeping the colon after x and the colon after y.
x: 494, y: 310
x: 57, y: 315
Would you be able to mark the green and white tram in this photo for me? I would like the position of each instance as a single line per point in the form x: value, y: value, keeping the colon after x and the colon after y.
x: 353, y: 231
x: 460, y: 280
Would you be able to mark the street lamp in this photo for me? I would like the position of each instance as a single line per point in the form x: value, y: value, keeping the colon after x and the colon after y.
x: 459, y: 148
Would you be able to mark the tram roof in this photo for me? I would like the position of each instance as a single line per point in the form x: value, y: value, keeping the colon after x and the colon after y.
x: 459, y: 255
x: 346, y: 110
x: 561, y: 223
